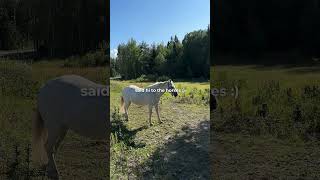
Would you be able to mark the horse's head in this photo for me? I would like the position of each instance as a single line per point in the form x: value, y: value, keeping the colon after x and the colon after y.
x: 172, y: 88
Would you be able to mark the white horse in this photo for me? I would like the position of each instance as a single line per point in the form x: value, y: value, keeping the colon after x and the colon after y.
x: 146, y: 96
x: 68, y: 102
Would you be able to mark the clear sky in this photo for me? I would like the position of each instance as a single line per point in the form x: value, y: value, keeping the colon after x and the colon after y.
x: 155, y: 21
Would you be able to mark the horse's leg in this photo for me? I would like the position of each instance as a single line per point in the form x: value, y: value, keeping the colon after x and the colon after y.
x: 126, y: 107
x: 54, y: 134
x: 150, y: 113
x: 60, y: 139
x: 157, y: 111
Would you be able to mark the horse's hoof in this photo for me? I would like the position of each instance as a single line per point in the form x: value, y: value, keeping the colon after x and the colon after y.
x: 52, y: 174
x: 53, y: 177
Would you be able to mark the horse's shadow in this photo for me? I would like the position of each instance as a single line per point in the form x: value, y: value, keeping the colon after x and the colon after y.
x: 184, y: 156
x: 120, y: 131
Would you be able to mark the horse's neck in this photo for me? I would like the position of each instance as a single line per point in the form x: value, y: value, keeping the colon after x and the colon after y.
x: 161, y: 86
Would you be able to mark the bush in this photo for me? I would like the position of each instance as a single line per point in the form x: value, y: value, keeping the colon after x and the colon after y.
x: 16, y: 79
x: 146, y: 78
x: 163, y: 78
x: 152, y: 77
x: 194, y: 96
x: 72, y: 61
x: 142, y: 78
x: 93, y: 59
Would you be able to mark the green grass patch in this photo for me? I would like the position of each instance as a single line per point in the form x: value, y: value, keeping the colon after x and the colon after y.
x: 158, y: 152
x: 278, y: 101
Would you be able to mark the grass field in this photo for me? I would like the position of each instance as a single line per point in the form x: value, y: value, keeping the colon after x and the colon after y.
x: 78, y: 157
x: 175, y: 149
x: 271, y: 130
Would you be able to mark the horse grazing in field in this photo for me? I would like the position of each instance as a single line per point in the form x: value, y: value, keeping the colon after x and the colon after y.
x: 146, y: 96
x: 67, y: 102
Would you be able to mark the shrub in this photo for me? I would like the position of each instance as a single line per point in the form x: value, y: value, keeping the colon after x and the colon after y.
x: 92, y: 59
x: 163, y: 78
x: 142, y: 78
x: 146, y: 78
x: 151, y: 77
x: 194, y: 96
x: 72, y: 61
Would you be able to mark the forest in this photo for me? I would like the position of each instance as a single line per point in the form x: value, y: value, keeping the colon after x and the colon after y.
x: 287, y: 31
x: 53, y: 28
x: 188, y: 58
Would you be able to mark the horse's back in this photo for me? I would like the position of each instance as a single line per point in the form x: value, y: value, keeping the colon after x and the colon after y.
x: 61, y: 102
x: 68, y: 86
x: 74, y: 80
x: 131, y: 89
x: 135, y: 95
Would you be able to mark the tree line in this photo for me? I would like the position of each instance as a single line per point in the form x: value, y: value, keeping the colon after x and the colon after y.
x: 54, y: 28
x: 252, y: 30
x: 188, y: 58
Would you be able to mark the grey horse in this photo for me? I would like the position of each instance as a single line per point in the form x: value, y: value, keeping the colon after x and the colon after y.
x: 68, y: 102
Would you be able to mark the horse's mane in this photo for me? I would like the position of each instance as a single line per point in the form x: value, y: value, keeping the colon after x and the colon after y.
x: 156, y: 84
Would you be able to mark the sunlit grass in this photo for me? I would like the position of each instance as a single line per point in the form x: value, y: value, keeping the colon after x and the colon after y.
x: 144, y: 156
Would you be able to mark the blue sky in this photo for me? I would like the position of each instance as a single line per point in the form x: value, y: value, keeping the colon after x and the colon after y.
x: 155, y: 21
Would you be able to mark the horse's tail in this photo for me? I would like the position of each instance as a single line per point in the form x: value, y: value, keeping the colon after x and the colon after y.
x: 122, y: 105
x: 39, y: 138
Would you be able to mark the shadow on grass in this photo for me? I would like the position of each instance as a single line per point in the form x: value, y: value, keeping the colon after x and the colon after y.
x: 122, y: 133
x: 184, y: 156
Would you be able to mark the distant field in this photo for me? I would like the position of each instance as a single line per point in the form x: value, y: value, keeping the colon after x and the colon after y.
x: 175, y: 149
x: 272, y: 129
x: 77, y: 157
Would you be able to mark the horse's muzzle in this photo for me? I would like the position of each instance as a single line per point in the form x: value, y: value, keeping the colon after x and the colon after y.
x: 175, y: 94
